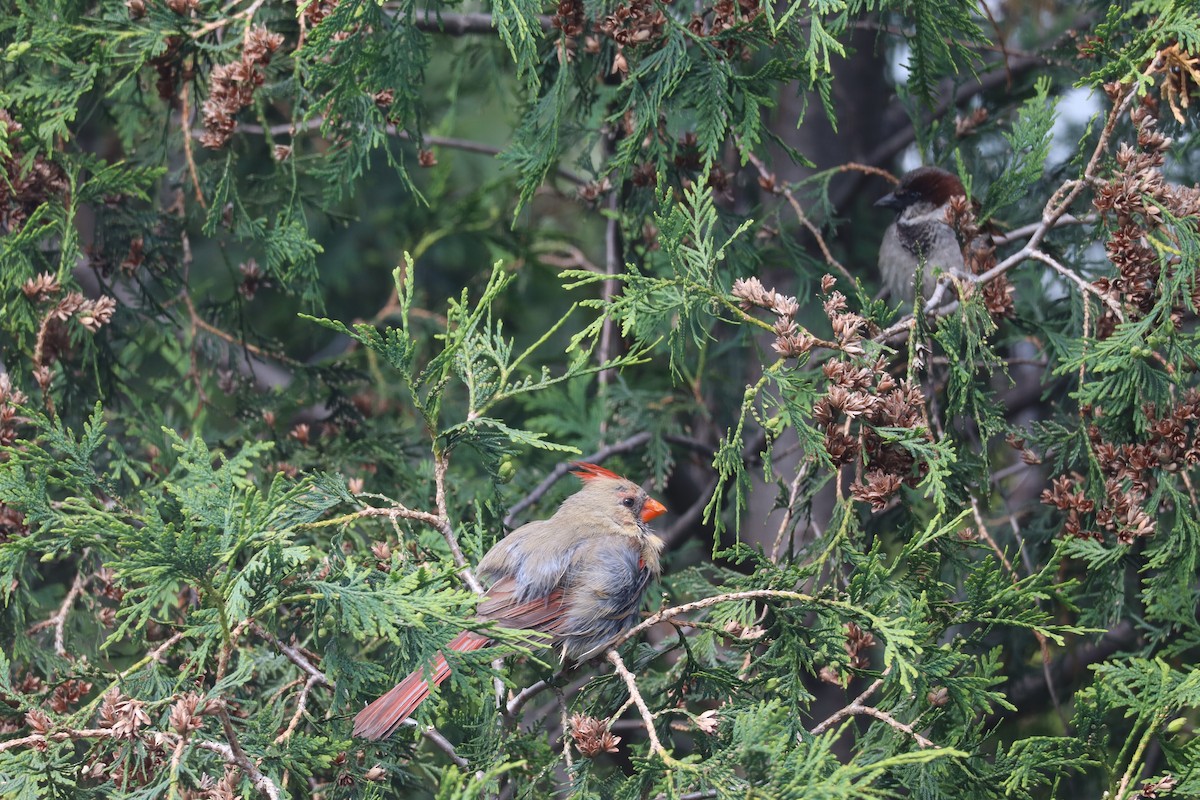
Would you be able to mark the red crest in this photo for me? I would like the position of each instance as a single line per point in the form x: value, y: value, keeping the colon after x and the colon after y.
x: 590, y: 472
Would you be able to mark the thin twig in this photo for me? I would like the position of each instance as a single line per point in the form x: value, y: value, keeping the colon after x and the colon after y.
x: 612, y: 265
x: 200, y: 323
x: 566, y: 735
x: 441, y: 742
x: 439, y: 523
x: 185, y: 115
x: 429, y: 140
x: 440, y: 466
x: 903, y: 727
x: 236, y: 755
x: 1045, y: 258
x: 301, y: 703
x: 59, y: 620
x: 696, y: 605
x: 154, y: 655
x: 656, y: 747
x: 294, y: 655
x: 858, y: 707
x: 786, y: 191
x: 789, y: 512
x: 844, y: 712
x: 217, y: 24
x: 1000, y: 239
x: 522, y: 697
x: 58, y: 736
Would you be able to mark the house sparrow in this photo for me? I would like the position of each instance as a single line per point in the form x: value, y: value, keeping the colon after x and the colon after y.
x: 921, y: 236
x: 578, y: 576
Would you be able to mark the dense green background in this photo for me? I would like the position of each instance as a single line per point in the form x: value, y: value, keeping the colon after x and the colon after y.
x: 253, y: 397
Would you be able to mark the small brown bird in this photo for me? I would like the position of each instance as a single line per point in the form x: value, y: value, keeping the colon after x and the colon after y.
x: 921, y: 236
x: 578, y: 576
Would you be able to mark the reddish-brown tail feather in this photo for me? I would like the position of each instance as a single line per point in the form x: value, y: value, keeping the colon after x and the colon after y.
x: 381, y: 718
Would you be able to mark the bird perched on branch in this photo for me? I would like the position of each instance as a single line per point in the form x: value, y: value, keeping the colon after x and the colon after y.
x: 921, y: 236
x: 578, y: 576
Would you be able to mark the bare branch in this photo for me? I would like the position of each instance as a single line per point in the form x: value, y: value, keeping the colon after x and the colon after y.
x: 235, y: 755
x: 858, y: 707
x: 669, y: 613
x: 842, y: 713
x: 466, y: 145
x: 301, y: 703
x: 770, y: 178
x: 59, y: 620
x: 440, y: 466
x: 441, y: 742
x: 656, y: 747
x: 1045, y: 258
x: 294, y: 655
x: 522, y: 697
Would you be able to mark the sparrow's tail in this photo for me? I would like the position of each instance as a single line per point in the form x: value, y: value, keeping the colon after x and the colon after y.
x: 380, y: 719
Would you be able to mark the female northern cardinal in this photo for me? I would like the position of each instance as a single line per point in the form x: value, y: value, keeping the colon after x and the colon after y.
x: 578, y: 576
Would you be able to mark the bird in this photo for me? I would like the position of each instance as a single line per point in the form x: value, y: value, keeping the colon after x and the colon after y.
x: 578, y: 576
x: 921, y: 236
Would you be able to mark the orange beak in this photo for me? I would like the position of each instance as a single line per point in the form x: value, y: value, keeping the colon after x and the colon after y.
x: 652, y: 509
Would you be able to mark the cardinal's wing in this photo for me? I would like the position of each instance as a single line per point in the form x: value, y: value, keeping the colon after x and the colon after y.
x: 504, y: 605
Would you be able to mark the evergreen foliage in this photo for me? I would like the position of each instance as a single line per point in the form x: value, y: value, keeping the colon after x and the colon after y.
x: 302, y: 307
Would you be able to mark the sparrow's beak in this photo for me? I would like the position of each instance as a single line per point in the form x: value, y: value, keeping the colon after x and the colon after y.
x: 652, y: 509
x: 889, y: 200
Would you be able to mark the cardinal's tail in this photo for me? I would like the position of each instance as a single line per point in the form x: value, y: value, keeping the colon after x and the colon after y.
x: 381, y: 718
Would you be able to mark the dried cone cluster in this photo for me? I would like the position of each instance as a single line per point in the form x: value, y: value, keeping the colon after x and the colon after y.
x: 858, y: 645
x: 10, y: 398
x: 790, y: 339
x: 1133, y: 199
x: 723, y: 16
x: 1129, y: 470
x: 316, y: 11
x: 12, y: 522
x: 233, y: 86
x: 53, y: 341
x: 979, y: 254
x: 24, y: 184
x: 569, y: 18
x: 592, y: 736
x: 862, y: 397
x: 638, y: 22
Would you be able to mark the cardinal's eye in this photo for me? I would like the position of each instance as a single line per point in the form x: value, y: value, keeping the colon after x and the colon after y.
x: 627, y: 502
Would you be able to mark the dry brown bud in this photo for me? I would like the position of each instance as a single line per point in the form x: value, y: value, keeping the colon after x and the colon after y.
x: 38, y: 721
x: 41, y: 287
x: 592, y: 736
x: 94, y: 314
x: 708, y: 721
x: 301, y: 433
x: 185, y: 713
x: 259, y: 44
x: 43, y: 376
